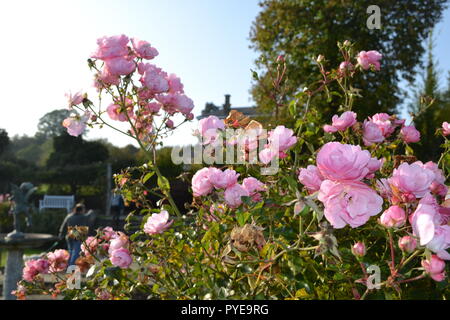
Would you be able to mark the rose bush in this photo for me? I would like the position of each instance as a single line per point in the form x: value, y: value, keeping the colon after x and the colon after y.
x: 347, y: 196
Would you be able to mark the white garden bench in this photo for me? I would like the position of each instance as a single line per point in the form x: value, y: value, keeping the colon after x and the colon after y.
x: 57, y: 202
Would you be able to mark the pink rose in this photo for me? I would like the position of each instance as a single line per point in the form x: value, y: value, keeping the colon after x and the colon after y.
x: 153, y: 107
x: 371, y: 133
x: 435, y: 267
x: 346, y: 66
x: 341, y: 162
x: 394, y: 217
x: 311, y: 178
x: 75, y: 99
x: 253, y: 186
x: 157, y: 223
x: 119, y: 66
x: 369, y: 58
x: 374, y: 165
x: 234, y: 194
x: 282, y: 137
x: 438, y: 185
x: 349, y: 202
x: 116, y: 112
x: 411, y: 181
x: 208, y: 127
x: 410, y: 134
x: 425, y: 219
x: 108, y: 233
x: 384, y: 188
x: 58, y: 259
x: 153, y: 78
x: 121, y: 258
x: 266, y: 155
x: 201, y: 185
x: 30, y: 271
x: 341, y: 123
x: 223, y: 179
x: 169, y: 123
x: 175, y: 85
x: 440, y: 242
x: 120, y: 240
x: 407, y: 244
x: 75, y: 124
x: 111, y: 47
x: 143, y: 49
x: 359, y: 249
x: 384, y: 123
x: 89, y: 246
x: 446, y: 128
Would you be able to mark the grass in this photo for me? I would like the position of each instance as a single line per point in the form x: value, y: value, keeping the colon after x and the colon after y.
x: 3, y: 255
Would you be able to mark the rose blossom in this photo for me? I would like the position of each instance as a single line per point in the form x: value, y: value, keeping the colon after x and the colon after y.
x: 282, y: 137
x: 410, y: 134
x: 384, y: 123
x: 369, y: 58
x: 342, y: 122
x: 119, y: 66
x: 425, y: 219
x: 233, y: 195
x: 394, y: 217
x: 74, y: 99
x: 407, y: 244
x: 446, y: 128
x: 75, y: 124
x: 153, y: 78
x: 311, y: 178
x: 201, y: 185
x: 175, y: 85
x: 157, y: 223
x: 438, y: 185
x: 111, y: 47
x: 253, y: 186
x: 337, y: 161
x: 371, y: 133
x: 58, y: 259
x: 89, y: 246
x: 411, y: 181
x: 120, y: 240
x: 143, y: 49
x: 345, y: 66
x: 440, y: 242
x: 223, y: 179
x: 359, y: 249
x: 116, y: 112
x: 435, y: 267
x: 207, y: 127
x: 121, y: 258
x: 350, y: 202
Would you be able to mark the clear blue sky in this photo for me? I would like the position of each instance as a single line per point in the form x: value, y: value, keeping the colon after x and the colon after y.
x: 46, y: 44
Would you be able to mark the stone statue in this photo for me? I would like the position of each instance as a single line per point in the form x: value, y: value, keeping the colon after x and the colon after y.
x: 20, y: 204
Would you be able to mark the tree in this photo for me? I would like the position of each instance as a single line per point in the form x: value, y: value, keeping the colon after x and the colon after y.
x: 4, y: 140
x: 49, y: 125
x: 75, y: 162
x: 301, y: 30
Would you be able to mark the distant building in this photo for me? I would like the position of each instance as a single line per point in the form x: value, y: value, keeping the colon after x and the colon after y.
x: 223, y: 111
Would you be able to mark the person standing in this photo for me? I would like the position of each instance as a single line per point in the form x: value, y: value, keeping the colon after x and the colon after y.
x: 117, y: 207
x: 76, y: 218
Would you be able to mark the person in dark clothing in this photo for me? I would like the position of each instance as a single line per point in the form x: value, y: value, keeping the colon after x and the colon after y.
x: 117, y: 207
x: 76, y: 218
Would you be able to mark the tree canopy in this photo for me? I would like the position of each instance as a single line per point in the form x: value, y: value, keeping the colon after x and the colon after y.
x: 301, y: 30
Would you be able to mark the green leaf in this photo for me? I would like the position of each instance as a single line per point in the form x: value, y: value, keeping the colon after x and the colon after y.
x: 163, y: 184
x: 242, y: 217
x: 147, y: 176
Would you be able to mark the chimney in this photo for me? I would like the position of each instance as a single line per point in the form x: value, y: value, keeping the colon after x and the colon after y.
x: 227, y: 104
